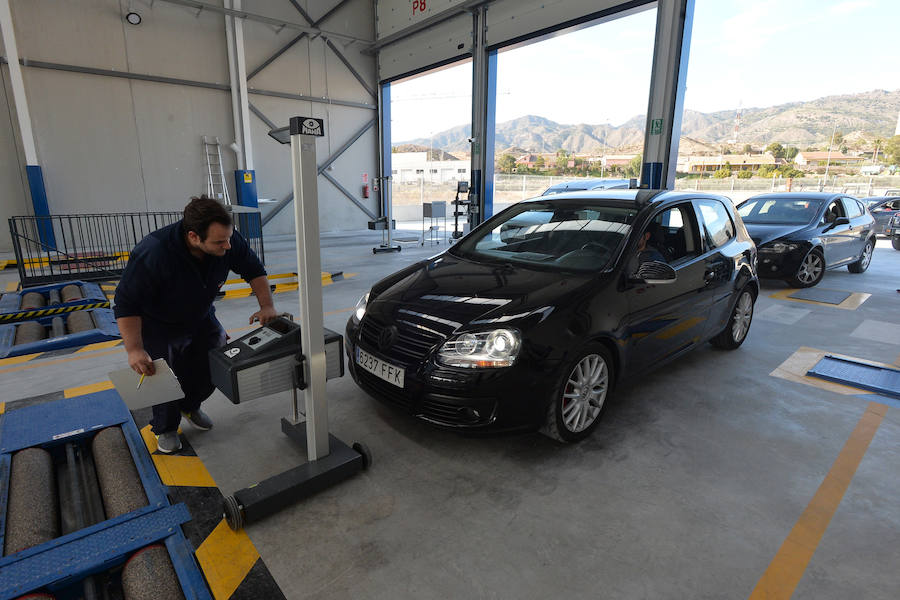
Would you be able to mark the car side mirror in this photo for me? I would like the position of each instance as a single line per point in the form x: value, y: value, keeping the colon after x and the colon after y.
x: 841, y: 221
x: 655, y: 272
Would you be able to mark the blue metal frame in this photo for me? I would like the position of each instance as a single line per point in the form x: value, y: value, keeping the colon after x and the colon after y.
x: 72, y: 557
x: 40, y: 204
x: 106, y: 330
x: 385, y: 144
x: 489, y: 135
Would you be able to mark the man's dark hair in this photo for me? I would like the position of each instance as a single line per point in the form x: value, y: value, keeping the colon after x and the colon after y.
x: 201, y: 212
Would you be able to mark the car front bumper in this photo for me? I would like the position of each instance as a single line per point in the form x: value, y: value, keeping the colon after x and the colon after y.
x: 473, y: 400
x: 779, y: 265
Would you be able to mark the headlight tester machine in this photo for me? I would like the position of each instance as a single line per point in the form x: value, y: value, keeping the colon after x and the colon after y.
x: 284, y: 355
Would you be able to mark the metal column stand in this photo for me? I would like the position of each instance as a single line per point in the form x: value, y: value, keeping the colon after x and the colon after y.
x: 462, y: 187
x: 329, y: 459
x: 387, y: 240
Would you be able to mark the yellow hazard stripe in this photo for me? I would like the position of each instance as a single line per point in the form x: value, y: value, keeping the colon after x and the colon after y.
x: 226, y: 557
x: 17, y: 360
x: 90, y: 388
x: 12, y: 286
x: 99, y: 346
x: 51, y: 311
x: 787, y: 568
x: 2, y: 407
x: 182, y: 471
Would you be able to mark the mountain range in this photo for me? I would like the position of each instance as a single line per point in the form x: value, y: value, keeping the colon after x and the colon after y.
x: 861, y: 118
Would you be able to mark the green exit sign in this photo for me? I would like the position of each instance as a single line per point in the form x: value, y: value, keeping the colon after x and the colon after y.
x: 656, y: 127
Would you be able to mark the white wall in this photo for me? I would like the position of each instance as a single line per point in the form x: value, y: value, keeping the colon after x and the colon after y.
x: 109, y: 144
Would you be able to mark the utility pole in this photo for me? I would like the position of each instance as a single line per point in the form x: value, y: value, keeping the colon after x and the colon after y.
x: 828, y: 158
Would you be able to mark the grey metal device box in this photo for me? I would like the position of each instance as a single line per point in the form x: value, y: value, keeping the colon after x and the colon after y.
x: 264, y: 361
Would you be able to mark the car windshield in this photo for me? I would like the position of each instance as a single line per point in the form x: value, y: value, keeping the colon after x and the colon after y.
x: 576, y: 235
x: 780, y: 211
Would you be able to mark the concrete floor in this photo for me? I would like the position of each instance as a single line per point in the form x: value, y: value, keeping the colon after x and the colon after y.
x: 686, y: 490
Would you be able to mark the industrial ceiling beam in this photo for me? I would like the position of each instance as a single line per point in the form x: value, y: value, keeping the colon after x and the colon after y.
x: 465, y: 7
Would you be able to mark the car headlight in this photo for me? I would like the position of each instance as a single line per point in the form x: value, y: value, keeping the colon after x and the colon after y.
x: 360, y: 309
x: 779, y: 247
x: 481, y: 349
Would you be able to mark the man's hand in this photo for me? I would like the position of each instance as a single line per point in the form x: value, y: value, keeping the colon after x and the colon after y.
x: 140, y: 362
x: 264, y: 315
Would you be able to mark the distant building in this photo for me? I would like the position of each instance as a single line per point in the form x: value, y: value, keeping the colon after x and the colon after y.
x: 411, y: 167
x: 616, y: 160
x: 738, y: 162
x: 820, y: 159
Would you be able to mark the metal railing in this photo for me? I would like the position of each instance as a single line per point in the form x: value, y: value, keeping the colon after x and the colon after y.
x: 94, y: 247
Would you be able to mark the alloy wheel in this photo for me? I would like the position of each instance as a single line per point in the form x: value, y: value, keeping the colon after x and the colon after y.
x: 585, y: 393
x: 810, y: 268
x: 867, y: 256
x: 743, y: 315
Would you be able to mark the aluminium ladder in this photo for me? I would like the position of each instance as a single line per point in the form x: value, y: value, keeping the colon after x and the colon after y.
x: 215, y: 177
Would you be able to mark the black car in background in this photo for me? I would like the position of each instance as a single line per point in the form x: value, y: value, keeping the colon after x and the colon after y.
x: 883, y: 209
x: 800, y: 235
x: 529, y: 320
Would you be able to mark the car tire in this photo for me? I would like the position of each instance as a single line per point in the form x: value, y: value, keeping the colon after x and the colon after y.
x: 865, y: 259
x: 895, y: 242
x: 738, y: 326
x: 582, y: 394
x: 811, y: 270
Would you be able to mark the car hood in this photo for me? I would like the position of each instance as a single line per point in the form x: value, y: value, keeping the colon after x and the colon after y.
x: 456, y: 292
x: 763, y: 234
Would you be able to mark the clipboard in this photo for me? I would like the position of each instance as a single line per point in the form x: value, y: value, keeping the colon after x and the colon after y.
x: 158, y: 388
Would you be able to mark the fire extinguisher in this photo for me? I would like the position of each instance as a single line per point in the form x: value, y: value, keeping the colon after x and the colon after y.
x: 365, y: 185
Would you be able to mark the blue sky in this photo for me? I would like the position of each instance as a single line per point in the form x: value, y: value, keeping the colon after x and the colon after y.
x: 758, y: 53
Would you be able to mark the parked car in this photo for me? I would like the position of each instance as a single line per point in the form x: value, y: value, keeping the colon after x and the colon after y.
x: 531, y: 326
x: 895, y: 232
x: 579, y: 185
x: 800, y: 235
x: 883, y: 209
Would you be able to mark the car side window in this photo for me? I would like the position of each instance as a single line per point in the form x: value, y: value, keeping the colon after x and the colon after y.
x: 834, y: 210
x: 717, y: 226
x: 852, y: 207
x: 671, y: 236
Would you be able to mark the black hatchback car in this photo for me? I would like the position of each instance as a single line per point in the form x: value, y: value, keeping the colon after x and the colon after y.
x: 529, y: 320
x: 800, y: 235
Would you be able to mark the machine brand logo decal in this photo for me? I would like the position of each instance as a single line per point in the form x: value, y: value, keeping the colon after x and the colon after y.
x: 387, y: 338
x: 312, y: 127
x: 232, y: 352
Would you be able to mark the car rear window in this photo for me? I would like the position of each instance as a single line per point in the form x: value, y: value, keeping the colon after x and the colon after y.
x: 779, y: 211
x: 569, y: 236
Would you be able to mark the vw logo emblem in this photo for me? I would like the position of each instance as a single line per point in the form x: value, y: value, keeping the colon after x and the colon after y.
x: 387, y: 338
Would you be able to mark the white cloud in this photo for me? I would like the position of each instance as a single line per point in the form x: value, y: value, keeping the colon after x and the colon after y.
x: 846, y: 8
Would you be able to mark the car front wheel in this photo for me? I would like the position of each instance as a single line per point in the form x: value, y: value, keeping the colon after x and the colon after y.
x: 864, y: 259
x: 895, y: 242
x: 811, y: 270
x: 581, y: 396
x: 735, y: 331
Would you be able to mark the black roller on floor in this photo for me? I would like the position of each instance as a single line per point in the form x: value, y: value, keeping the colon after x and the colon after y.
x: 80, y: 320
x: 120, y: 484
x: 28, y: 332
x: 149, y: 575
x: 32, y: 300
x: 31, y: 517
x: 71, y: 292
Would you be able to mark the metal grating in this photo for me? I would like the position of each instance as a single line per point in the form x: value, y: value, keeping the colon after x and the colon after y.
x: 820, y: 295
x: 857, y: 374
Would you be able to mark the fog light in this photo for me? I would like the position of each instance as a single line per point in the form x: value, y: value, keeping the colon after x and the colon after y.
x: 470, y: 414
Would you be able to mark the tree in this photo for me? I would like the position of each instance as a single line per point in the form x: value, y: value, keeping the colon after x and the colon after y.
x: 892, y: 149
x: 748, y: 149
x: 764, y: 171
x: 539, y: 163
x: 776, y: 149
x: 507, y: 163
x: 722, y: 173
x: 838, y: 138
x: 744, y: 174
x: 791, y: 152
x: 634, y: 166
x: 725, y: 149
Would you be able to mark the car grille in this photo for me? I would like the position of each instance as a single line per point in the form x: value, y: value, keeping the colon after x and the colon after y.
x: 413, y: 342
x: 447, y: 412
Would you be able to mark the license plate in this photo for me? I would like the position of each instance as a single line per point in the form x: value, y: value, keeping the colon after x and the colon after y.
x: 383, y: 370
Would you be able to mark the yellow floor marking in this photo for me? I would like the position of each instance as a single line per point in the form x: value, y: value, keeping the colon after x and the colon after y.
x: 854, y: 301
x: 149, y: 439
x: 2, y: 407
x: 787, y: 568
x: 804, y: 359
x: 12, y: 286
x: 226, y: 557
x: 182, y: 470
x: 339, y: 311
x: 99, y: 346
x: 88, y: 389
x: 17, y: 360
